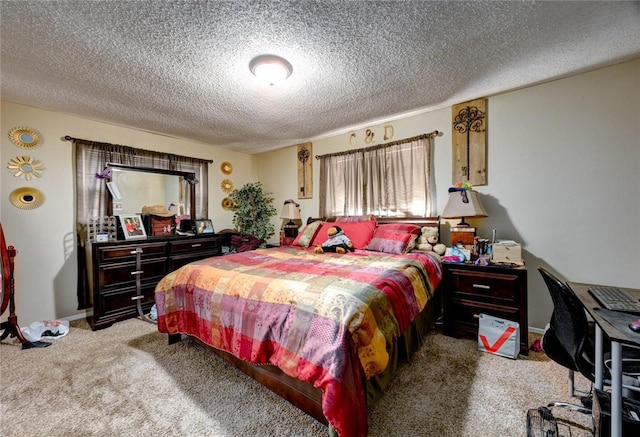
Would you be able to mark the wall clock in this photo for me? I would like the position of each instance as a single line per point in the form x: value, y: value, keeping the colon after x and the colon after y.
x: 469, y: 139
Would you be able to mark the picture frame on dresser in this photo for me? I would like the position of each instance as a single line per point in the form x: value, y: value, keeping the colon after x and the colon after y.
x: 204, y: 227
x: 132, y: 226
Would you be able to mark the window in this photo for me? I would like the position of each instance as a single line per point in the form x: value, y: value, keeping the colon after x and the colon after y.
x: 389, y: 180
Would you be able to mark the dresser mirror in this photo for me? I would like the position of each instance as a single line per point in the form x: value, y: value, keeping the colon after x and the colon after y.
x: 131, y: 188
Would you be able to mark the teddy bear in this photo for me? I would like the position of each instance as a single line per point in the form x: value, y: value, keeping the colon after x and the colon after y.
x: 428, y: 240
x: 338, y: 242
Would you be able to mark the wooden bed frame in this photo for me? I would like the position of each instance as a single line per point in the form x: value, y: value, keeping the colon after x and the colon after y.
x: 301, y: 394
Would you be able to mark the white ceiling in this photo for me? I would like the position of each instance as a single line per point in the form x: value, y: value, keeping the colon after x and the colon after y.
x: 180, y: 68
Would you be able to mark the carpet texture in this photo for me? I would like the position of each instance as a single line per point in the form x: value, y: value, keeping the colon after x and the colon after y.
x: 126, y: 380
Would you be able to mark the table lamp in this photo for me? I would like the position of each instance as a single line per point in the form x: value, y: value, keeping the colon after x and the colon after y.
x: 463, y: 203
x: 290, y: 212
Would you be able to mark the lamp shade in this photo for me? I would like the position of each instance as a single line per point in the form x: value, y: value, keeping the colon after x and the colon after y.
x: 463, y: 203
x: 290, y: 212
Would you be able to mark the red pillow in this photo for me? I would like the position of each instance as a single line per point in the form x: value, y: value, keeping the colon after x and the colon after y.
x: 360, y: 233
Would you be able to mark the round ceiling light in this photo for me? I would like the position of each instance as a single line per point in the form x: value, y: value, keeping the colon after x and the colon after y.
x: 270, y: 68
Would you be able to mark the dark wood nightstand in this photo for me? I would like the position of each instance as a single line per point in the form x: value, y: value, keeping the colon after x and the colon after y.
x: 469, y: 290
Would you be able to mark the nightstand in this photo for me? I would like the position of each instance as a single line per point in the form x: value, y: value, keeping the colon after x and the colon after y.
x: 499, y: 291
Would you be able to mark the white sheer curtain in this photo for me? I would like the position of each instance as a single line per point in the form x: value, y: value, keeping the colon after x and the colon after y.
x: 389, y: 180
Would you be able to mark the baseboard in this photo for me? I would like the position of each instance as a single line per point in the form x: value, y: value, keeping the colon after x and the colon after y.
x: 78, y: 316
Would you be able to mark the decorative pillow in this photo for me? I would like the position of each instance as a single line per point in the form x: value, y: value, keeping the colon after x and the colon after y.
x: 359, y: 233
x: 356, y: 218
x: 391, y: 241
x: 305, y: 237
x: 401, y: 227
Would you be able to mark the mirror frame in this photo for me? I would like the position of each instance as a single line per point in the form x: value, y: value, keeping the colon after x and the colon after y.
x: 190, y: 177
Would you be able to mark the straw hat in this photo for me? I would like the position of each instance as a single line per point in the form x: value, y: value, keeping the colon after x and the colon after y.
x: 159, y: 210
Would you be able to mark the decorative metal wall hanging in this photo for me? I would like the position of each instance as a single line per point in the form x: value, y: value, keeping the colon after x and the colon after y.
x: 388, y: 132
x: 26, y: 198
x: 305, y: 171
x: 26, y: 166
x: 470, y: 142
x: 226, y: 168
x: 226, y: 185
x: 25, y: 137
x: 227, y: 203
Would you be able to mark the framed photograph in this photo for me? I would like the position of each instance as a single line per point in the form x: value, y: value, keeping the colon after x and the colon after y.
x: 132, y: 226
x: 204, y: 227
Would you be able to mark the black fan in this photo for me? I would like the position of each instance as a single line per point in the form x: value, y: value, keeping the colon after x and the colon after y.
x: 541, y: 423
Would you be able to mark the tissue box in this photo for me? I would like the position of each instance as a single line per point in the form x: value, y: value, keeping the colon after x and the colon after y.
x: 507, y: 253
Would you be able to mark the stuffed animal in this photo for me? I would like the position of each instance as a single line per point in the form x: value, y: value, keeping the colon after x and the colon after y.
x: 428, y: 240
x: 338, y: 242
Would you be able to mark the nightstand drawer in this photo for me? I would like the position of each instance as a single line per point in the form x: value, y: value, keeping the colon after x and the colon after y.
x: 491, y: 285
x: 467, y: 312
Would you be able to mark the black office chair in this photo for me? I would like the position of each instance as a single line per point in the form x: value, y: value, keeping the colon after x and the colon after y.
x: 569, y: 339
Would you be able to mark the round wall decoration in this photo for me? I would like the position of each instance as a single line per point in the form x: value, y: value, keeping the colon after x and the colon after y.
x: 26, y: 198
x: 26, y: 166
x: 25, y: 137
x: 226, y: 167
x: 227, y: 203
x: 226, y: 185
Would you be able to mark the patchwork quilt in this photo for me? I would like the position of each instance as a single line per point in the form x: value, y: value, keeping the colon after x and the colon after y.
x: 326, y: 319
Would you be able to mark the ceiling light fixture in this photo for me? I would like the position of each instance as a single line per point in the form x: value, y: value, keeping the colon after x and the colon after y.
x: 270, y: 68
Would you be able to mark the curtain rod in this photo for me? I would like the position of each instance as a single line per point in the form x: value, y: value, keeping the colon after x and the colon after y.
x: 433, y: 134
x: 70, y: 138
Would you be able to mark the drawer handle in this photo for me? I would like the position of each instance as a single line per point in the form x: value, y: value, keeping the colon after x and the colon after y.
x: 137, y: 272
x: 138, y: 250
x: 484, y: 287
x: 137, y: 297
x: 196, y: 245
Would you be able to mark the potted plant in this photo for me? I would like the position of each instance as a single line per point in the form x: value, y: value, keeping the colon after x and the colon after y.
x: 253, y: 209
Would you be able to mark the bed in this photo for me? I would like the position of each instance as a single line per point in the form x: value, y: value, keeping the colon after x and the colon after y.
x: 324, y: 331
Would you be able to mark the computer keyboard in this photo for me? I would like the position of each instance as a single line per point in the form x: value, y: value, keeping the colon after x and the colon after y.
x: 615, y: 299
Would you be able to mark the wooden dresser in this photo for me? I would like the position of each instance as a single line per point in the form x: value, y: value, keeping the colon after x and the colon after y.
x: 494, y: 290
x: 121, y: 271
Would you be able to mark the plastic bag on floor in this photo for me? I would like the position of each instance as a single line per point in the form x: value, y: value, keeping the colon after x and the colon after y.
x: 47, y: 329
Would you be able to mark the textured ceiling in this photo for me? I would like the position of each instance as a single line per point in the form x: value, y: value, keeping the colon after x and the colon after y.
x: 180, y: 68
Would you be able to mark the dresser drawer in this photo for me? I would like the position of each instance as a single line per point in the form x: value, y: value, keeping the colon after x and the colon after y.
x: 125, y: 252
x: 116, y: 275
x: 484, y: 285
x: 200, y: 244
x: 122, y: 300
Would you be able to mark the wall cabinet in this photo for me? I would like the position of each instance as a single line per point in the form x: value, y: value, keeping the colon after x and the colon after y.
x: 121, y: 272
x: 494, y: 290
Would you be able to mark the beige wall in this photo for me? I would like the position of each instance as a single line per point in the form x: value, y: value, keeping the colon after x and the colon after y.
x: 563, y: 163
x: 45, y: 237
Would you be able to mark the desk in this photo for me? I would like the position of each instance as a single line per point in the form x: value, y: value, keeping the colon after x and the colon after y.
x: 619, y: 335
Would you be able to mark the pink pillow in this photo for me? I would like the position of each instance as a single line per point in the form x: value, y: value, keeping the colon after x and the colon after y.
x: 391, y: 241
x: 401, y: 227
x: 359, y: 233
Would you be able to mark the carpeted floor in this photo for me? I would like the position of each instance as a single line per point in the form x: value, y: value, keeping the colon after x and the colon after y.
x: 126, y: 380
